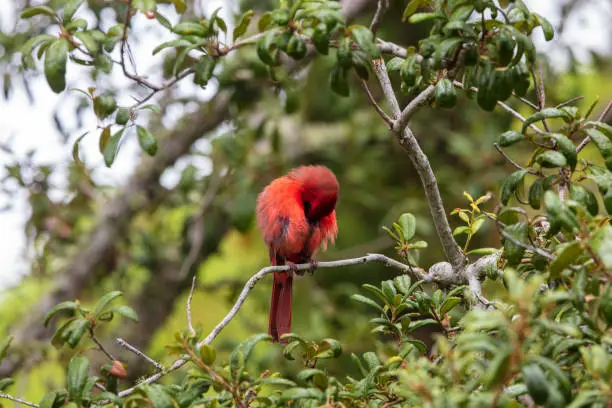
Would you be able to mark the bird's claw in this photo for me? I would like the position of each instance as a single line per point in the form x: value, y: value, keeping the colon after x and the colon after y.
x: 314, y: 264
x: 292, y: 267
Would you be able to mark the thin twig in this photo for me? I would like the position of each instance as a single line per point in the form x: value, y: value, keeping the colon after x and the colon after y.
x: 100, y: 346
x: 538, y: 81
x: 189, y: 322
x: 126, y: 23
x: 506, y: 107
x: 512, y: 162
x: 526, y: 101
x: 376, y: 106
x: 139, y: 353
x: 18, y: 400
x: 569, y: 102
x: 381, y: 9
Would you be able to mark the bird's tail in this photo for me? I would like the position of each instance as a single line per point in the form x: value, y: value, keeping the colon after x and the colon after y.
x: 280, y: 305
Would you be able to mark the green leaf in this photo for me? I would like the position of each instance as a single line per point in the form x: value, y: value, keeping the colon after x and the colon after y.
x: 53, y: 399
x: 158, y: 397
x: 125, y: 311
x: 112, y: 147
x: 512, y: 251
x: 536, y: 191
x: 548, y: 113
x: 5, y: 383
x: 331, y: 348
x: 242, y: 352
x: 536, y: 383
x: 601, y: 242
x: 104, y: 105
x: 242, y: 26
x: 551, y: 159
x: 4, y: 346
x: 483, y: 251
x: 445, y: 94
x: 76, y: 377
x: 76, y: 331
x: 190, y: 28
x: 568, y: 253
x: 320, y: 38
x: 144, y: 5
x: 56, y: 56
x: 567, y: 148
x: 181, y: 42
x: 364, y: 37
x: 105, y: 300
x: 420, y: 323
x: 264, y: 21
x: 418, y: 245
x: 510, y: 137
x: 266, y: 50
x: 449, y: 303
x: 67, y: 305
x: 208, y: 354
x: 421, y: 17
x: 274, y: 381
x: 394, y: 64
x: 407, y: 222
x: 410, y: 9
x: 147, y: 142
x: 498, y: 368
x: 555, y: 370
x: 339, y: 80
x: 511, y: 184
x: 603, y: 143
x: 547, y: 28
x: 37, y: 10
x: 295, y: 394
x: 367, y: 301
x: 389, y: 291
x: 88, y: 41
x: 462, y: 229
x: 70, y: 8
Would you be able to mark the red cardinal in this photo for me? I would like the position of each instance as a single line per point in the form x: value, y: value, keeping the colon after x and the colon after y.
x: 296, y: 216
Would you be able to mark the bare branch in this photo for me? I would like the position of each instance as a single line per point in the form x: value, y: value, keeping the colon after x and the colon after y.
x: 385, y: 83
x: 376, y: 106
x: 100, y: 346
x: 136, y: 78
x: 387, y: 47
x: 421, y: 163
x: 420, y: 100
x: 189, y: 321
x: 139, y: 353
x: 18, y: 400
x: 381, y: 9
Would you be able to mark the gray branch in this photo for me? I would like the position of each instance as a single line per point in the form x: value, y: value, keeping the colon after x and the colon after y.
x: 421, y: 163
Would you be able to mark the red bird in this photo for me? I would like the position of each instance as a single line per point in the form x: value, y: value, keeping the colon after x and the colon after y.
x: 296, y: 215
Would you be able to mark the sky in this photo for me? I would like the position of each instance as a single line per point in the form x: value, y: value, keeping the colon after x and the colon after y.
x: 30, y: 125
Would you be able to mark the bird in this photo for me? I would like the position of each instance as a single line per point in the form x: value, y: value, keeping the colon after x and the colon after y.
x: 296, y: 216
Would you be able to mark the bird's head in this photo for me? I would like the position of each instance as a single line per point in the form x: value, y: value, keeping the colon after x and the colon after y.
x: 318, y: 189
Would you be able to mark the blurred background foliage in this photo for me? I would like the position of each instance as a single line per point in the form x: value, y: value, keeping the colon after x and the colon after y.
x: 270, y: 131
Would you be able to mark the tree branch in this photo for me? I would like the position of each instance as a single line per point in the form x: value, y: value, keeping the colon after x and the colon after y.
x: 421, y: 163
x: 18, y: 400
x: 139, y: 353
x: 376, y: 106
x: 381, y: 9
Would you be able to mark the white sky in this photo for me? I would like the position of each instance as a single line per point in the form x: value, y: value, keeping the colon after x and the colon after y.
x: 31, y: 125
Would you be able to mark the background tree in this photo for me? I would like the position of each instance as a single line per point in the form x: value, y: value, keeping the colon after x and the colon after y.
x: 437, y: 336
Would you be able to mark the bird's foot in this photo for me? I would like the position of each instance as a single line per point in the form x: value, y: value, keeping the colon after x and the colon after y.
x: 314, y: 264
x: 292, y: 267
